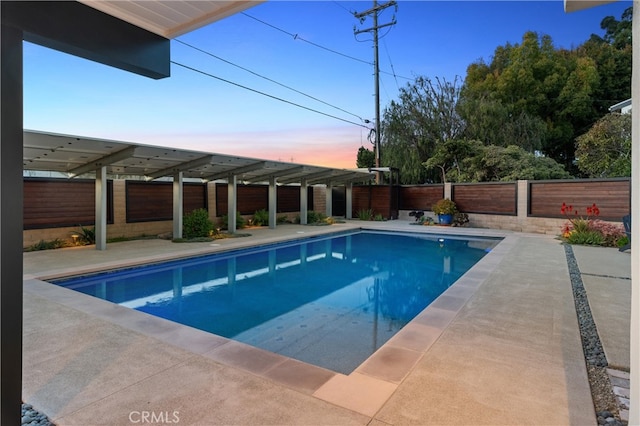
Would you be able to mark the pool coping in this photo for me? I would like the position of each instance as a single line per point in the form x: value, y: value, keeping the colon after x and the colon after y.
x: 365, y: 390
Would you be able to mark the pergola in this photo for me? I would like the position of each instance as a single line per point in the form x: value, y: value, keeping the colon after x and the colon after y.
x: 76, y: 156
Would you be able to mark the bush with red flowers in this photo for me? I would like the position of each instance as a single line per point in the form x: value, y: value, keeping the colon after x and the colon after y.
x: 589, y: 230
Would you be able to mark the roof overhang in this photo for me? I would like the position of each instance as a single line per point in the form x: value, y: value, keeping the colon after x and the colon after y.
x: 575, y: 5
x: 170, y: 19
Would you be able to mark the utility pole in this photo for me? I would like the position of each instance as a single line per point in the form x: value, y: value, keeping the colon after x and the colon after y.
x: 376, y: 66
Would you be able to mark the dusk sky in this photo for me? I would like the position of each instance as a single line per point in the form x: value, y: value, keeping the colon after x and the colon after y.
x: 192, y: 110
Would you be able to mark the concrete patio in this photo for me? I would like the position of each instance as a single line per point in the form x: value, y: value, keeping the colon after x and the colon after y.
x: 501, y: 346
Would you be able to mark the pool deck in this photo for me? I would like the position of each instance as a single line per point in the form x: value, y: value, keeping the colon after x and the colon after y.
x: 501, y: 346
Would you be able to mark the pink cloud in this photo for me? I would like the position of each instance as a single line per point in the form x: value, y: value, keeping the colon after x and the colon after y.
x: 330, y: 147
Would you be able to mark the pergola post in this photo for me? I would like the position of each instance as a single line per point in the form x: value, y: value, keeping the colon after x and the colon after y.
x: 303, y: 201
x: 349, y: 201
x: 101, y: 208
x: 329, y: 199
x: 273, y: 202
x: 232, y: 207
x: 178, y: 196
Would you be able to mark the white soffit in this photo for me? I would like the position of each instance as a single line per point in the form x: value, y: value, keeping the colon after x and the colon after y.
x: 575, y: 5
x: 170, y: 19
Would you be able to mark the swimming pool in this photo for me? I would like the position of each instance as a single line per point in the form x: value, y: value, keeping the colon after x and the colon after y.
x: 330, y: 301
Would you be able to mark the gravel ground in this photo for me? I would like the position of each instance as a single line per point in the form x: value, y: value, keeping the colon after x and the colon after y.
x: 32, y: 417
x: 604, y: 400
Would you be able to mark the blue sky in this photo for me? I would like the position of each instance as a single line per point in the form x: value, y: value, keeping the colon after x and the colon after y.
x: 190, y: 110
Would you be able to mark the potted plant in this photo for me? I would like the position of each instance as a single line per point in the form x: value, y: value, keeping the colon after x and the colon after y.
x: 445, y: 209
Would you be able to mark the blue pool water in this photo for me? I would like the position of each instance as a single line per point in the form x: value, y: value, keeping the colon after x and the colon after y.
x: 329, y: 301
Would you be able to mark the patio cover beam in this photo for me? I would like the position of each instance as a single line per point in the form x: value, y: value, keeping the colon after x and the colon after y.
x: 237, y: 171
x: 277, y: 174
x: 187, y: 165
x: 353, y: 177
x: 333, y: 177
x: 103, y: 161
x: 307, y: 178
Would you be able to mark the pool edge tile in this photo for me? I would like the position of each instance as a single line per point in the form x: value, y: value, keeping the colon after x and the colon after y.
x: 390, y: 363
x: 298, y: 375
x: 358, y: 392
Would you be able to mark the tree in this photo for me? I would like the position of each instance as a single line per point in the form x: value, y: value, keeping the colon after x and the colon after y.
x: 605, y: 150
x: 449, y: 156
x: 496, y: 163
x: 424, y: 116
x: 613, y: 57
x: 494, y: 123
x: 617, y: 33
x: 366, y: 158
x: 535, y: 96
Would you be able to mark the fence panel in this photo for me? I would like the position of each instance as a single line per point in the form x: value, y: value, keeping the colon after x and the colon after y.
x: 379, y: 198
x: 612, y: 197
x: 153, y: 201
x: 360, y: 199
x: 421, y: 197
x: 255, y: 197
x: 53, y: 203
x: 487, y: 198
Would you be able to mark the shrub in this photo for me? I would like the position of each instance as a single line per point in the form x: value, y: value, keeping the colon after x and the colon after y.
x: 460, y: 219
x: 622, y: 241
x: 261, y: 217
x: 197, y: 224
x: 444, y: 206
x: 282, y: 219
x: 315, y: 217
x: 587, y: 230
x: 593, y: 238
x: 47, y: 245
x: 365, y: 214
x: 87, y: 235
x: 610, y: 232
x: 240, y: 222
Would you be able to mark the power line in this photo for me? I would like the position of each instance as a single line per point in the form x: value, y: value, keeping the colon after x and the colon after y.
x: 391, y: 63
x: 265, y: 94
x: 297, y: 37
x: 267, y: 78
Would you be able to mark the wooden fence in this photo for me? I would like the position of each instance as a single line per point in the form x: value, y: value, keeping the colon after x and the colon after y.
x: 53, y: 203
x: 543, y: 198
x: 54, y: 207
